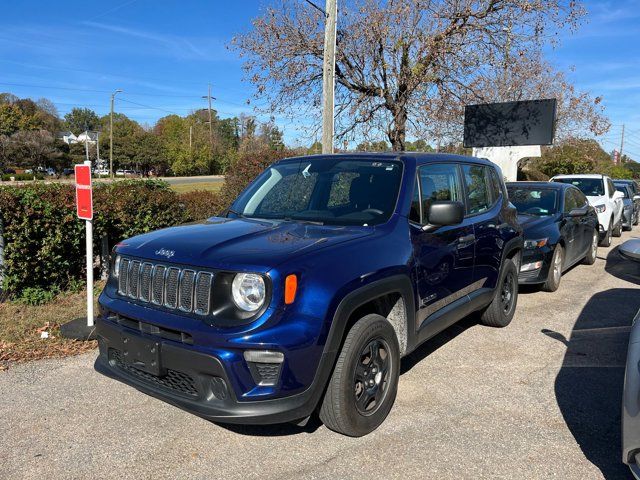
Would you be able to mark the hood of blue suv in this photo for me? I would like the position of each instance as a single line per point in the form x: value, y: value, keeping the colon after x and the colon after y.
x: 233, y: 243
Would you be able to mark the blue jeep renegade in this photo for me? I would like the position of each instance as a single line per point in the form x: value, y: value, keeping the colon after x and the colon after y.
x: 306, y: 294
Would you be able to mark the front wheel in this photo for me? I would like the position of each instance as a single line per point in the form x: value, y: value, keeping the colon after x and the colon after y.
x: 555, y: 270
x: 364, y: 383
x: 617, y: 232
x: 606, y: 240
x: 592, y: 254
x: 500, y: 311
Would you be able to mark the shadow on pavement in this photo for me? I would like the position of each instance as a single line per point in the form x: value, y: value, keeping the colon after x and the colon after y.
x: 589, y: 385
x: 407, y: 364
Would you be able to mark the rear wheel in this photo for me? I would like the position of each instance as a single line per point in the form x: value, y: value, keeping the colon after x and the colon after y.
x: 592, y: 254
x: 500, y: 311
x: 364, y: 383
x: 606, y: 240
x: 555, y: 270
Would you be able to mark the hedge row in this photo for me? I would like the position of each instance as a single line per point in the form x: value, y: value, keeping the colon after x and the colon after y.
x: 44, y: 241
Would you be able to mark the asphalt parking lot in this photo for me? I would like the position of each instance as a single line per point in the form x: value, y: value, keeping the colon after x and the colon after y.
x: 538, y: 399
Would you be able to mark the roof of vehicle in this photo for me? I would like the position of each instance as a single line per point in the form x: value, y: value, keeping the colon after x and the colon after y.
x: 581, y: 175
x: 623, y: 180
x: 416, y: 158
x: 550, y: 185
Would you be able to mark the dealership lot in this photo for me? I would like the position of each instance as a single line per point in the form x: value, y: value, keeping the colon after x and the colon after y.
x: 539, y: 399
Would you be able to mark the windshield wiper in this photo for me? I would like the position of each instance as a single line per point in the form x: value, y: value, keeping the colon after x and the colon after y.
x: 301, y: 220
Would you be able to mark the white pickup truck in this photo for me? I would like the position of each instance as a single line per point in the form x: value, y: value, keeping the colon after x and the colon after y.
x: 603, y: 196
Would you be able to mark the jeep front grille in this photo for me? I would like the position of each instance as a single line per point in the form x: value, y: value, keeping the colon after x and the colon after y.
x: 185, y: 289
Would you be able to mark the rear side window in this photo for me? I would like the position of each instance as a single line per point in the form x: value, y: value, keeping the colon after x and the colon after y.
x: 438, y: 182
x: 496, y: 184
x: 476, y: 181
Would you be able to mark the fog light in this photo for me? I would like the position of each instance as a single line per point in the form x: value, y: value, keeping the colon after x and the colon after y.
x: 264, y: 365
x: 527, y: 267
x: 263, y: 356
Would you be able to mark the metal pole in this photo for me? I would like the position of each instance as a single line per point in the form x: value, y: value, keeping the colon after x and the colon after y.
x: 328, y: 75
x: 190, y: 137
x: 89, y: 241
x: 210, y: 121
x: 86, y: 144
x: 113, y: 95
x: 621, y: 145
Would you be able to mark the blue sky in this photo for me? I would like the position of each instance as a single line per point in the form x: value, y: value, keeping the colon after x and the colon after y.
x: 164, y: 53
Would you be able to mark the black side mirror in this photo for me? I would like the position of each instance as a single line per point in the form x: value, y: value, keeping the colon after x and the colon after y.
x: 579, y: 212
x: 444, y: 213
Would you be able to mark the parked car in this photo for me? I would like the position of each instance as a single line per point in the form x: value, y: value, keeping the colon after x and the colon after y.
x: 101, y: 172
x: 68, y: 171
x: 560, y: 230
x: 50, y: 172
x: 631, y: 390
x: 635, y: 196
x: 9, y: 171
x: 629, y: 212
x: 120, y: 172
x: 602, y: 195
x: 325, y: 271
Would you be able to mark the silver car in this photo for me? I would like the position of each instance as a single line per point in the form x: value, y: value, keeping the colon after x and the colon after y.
x: 631, y: 393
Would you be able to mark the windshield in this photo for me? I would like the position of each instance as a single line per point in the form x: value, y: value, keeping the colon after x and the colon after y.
x: 533, y: 201
x: 622, y: 188
x: 591, y: 187
x: 339, y: 191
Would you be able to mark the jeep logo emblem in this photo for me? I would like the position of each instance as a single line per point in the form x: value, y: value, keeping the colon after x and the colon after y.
x: 165, y: 253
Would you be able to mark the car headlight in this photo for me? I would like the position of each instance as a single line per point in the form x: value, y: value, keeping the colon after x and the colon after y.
x: 531, y: 244
x: 248, y: 291
x: 116, y: 266
x: 600, y: 208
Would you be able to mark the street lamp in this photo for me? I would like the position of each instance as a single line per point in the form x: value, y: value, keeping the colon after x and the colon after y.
x: 113, y: 97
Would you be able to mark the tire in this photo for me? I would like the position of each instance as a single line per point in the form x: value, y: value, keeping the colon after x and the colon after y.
x: 617, y: 231
x: 592, y: 254
x: 497, y: 314
x: 606, y: 240
x: 349, y: 407
x: 555, y: 270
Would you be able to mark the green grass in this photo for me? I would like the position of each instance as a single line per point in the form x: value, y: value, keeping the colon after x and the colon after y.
x: 190, y: 187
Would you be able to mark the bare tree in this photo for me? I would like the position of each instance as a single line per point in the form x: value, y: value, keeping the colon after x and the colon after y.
x: 397, y: 60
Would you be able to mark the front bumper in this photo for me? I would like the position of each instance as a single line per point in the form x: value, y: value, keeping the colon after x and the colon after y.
x: 192, y: 380
x: 536, y: 275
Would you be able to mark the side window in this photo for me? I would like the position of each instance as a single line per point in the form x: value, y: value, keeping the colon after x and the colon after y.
x: 478, y: 199
x: 496, y: 185
x: 438, y: 182
x: 570, y: 200
x: 611, y: 188
x: 581, y: 200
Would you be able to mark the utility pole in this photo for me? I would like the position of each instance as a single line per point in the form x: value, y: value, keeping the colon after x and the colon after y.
x: 329, y: 75
x: 190, y: 137
x: 86, y: 142
x: 113, y: 96
x: 98, y: 150
x: 209, y: 98
x: 621, y: 143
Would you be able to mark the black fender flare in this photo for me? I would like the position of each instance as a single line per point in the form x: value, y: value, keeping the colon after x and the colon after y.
x: 398, y: 283
x: 512, y: 245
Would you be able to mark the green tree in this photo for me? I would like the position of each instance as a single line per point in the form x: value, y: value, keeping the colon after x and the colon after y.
x: 80, y: 119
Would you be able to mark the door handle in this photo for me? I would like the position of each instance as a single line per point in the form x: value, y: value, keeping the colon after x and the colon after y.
x: 467, y: 239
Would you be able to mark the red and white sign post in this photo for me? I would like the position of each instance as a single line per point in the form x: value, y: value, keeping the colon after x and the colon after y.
x: 84, y: 208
